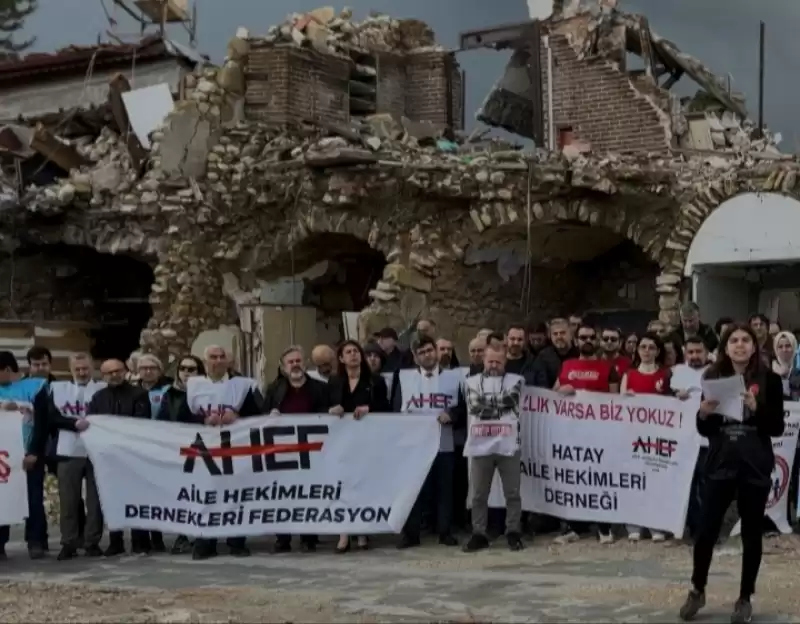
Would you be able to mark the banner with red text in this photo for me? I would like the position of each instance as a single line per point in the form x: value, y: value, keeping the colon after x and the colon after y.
x: 298, y: 474
x: 784, y: 448
x: 607, y: 458
x: 13, y: 482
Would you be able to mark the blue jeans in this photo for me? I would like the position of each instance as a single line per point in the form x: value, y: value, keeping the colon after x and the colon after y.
x: 36, y: 522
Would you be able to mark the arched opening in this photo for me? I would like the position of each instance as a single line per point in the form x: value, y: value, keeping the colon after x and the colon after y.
x: 324, y: 276
x: 745, y: 258
x: 572, y: 268
x: 92, y: 301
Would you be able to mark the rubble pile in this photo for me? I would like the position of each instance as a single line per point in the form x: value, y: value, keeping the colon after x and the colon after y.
x: 326, y: 31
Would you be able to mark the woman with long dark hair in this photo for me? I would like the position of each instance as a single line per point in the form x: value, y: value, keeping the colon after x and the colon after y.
x: 356, y: 389
x: 739, y: 465
x: 648, y: 374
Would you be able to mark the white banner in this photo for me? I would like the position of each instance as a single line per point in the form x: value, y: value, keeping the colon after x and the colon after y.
x: 607, y: 458
x: 784, y: 449
x: 13, y: 482
x: 299, y: 474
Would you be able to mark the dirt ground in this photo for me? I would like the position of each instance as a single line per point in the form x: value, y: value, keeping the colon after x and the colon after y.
x: 580, y: 582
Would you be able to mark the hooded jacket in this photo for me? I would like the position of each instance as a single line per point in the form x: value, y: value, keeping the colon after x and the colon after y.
x: 547, y: 366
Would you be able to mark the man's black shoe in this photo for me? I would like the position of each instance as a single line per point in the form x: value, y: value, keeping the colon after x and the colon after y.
x: 35, y: 551
x: 201, y: 552
x: 281, y: 547
x: 448, y: 540
x: 408, y: 542
x: 476, y: 543
x: 515, y: 541
x: 181, y: 546
x: 114, y: 549
x: 67, y: 553
x: 3, y: 555
x: 310, y: 547
x: 93, y: 551
x: 158, y: 546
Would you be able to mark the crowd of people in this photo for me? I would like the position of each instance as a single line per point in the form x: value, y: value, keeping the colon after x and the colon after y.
x: 563, y: 354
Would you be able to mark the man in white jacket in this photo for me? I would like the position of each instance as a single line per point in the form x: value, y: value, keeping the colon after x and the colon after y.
x: 493, y: 443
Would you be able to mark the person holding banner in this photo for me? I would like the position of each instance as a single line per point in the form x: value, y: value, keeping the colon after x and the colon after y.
x: 424, y: 389
x: 356, y: 390
x: 295, y: 391
x: 740, y: 464
x: 647, y: 375
x: 586, y: 372
x: 71, y: 401
x: 121, y: 398
x: 30, y: 397
x: 493, y: 444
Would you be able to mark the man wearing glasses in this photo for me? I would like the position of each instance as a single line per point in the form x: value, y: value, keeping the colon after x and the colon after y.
x: 121, y: 398
x: 612, y: 350
x: 587, y: 372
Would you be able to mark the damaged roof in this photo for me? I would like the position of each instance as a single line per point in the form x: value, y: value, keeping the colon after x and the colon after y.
x: 75, y: 59
x: 600, y: 31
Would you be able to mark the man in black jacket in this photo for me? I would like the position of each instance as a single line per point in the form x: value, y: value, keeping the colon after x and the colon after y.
x: 121, y: 398
x: 548, y: 363
x: 294, y: 392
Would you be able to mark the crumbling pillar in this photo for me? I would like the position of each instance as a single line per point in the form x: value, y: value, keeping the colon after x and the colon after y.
x: 187, y: 298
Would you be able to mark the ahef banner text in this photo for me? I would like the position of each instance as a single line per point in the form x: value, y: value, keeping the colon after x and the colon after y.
x: 784, y: 449
x: 607, y: 458
x: 300, y: 474
x: 13, y: 482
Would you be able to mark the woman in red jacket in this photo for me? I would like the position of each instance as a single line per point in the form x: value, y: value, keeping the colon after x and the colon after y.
x: 647, y: 375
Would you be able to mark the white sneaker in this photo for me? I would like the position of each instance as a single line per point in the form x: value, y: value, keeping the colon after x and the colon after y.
x: 658, y: 536
x: 606, y: 538
x: 634, y: 537
x: 567, y: 538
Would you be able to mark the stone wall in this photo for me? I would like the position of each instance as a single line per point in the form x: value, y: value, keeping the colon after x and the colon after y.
x: 598, y: 102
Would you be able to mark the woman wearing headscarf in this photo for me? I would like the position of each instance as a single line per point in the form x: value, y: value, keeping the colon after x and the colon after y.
x: 356, y: 389
x: 783, y: 364
x: 739, y: 465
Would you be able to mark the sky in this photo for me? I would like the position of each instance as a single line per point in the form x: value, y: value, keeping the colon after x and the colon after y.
x: 721, y: 33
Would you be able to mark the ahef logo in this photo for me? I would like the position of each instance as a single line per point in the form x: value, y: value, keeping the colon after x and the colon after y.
x: 75, y: 408
x: 434, y: 401
x: 5, y: 467
x: 583, y: 375
x: 265, y: 444
x: 779, y: 481
x: 655, y: 447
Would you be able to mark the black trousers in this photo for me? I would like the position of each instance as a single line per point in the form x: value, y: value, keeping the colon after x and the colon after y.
x: 751, y: 501
x: 286, y: 540
x: 140, y: 540
x: 439, y: 485
x: 460, y: 488
x: 693, y: 515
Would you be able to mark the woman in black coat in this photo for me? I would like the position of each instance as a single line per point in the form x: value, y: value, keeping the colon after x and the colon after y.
x: 356, y: 389
x: 739, y: 465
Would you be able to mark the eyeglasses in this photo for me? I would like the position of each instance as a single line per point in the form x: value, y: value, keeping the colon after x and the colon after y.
x: 610, y: 339
x: 187, y: 369
x: 586, y: 338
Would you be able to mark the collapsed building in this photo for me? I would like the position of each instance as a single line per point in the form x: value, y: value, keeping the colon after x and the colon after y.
x: 322, y: 169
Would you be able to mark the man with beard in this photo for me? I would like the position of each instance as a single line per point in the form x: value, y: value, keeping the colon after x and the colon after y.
x: 537, y: 338
x: 121, y: 398
x: 691, y: 327
x: 296, y: 392
x: 759, y: 323
x: 587, y: 372
x: 422, y: 389
x: 548, y: 363
x: 518, y: 362
x: 444, y: 348
x: 686, y: 382
x: 612, y: 349
x: 493, y: 443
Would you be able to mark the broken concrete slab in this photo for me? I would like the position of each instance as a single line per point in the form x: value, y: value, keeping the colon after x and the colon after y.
x: 188, y: 138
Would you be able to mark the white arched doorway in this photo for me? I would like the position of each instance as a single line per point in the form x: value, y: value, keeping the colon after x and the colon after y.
x: 745, y: 258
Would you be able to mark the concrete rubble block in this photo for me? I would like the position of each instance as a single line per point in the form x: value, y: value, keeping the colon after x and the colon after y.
x: 323, y: 15
x: 403, y: 276
x: 385, y: 126
x: 188, y: 138
x: 422, y: 130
